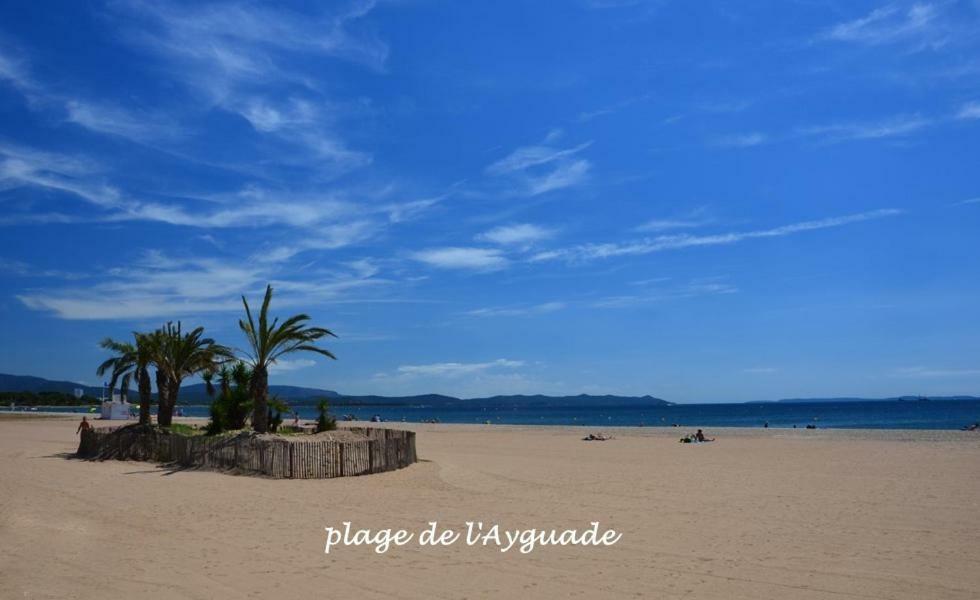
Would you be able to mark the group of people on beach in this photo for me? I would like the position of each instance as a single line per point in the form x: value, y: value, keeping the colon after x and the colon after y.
x: 696, y: 438
x: 692, y: 438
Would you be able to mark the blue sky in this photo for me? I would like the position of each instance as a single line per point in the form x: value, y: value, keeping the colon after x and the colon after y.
x: 701, y: 201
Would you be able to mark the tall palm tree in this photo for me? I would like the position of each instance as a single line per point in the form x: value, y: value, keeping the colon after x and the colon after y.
x: 144, y: 357
x: 178, y: 355
x: 122, y: 364
x: 270, y: 341
x: 131, y: 360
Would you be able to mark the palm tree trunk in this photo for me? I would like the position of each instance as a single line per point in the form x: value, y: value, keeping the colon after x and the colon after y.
x: 143, y: 382
x: 165, y: 411
x: 259, y: 390
x: 174, y: 389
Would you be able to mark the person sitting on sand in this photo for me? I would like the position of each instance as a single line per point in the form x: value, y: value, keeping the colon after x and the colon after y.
x: 699, y: 436
x: 83, y: 425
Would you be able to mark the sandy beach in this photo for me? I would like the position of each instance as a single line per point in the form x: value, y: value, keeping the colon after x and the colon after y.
x: 757, y: 514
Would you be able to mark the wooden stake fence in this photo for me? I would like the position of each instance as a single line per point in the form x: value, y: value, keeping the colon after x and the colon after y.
x: 383, y: 450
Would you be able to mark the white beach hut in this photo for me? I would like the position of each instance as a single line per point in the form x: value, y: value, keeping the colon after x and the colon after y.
x: 115, y: 408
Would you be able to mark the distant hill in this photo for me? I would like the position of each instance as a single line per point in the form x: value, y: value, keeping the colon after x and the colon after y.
x: 27, y: 383
x: 579, y: 400
x: 197, y: 393
x: 189, y: 394
x: 518, y: 400
x: 420, y: 400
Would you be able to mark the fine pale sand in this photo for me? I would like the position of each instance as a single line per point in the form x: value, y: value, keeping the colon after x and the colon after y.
x: 757, y: 514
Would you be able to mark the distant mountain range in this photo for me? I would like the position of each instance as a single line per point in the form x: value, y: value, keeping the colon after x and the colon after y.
x: 196, y: 394
x: 26, y: 383
x: 436, y: 400
x: 189, y: 394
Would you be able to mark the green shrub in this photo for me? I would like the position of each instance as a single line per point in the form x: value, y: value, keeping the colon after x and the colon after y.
x: 324, y: 422
x: 182, y: 429
x: 232, y: 404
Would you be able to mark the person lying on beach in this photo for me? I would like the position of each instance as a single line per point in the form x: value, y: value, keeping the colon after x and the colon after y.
x: 596, y: 437
x: 83, y: 425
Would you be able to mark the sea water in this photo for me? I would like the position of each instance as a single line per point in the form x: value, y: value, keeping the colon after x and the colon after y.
x: 930, y: 414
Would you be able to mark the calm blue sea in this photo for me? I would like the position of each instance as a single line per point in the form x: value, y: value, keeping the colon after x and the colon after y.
x: 933, y: 414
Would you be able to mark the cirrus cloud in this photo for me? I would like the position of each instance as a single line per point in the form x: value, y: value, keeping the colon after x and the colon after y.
x: 479, y: 259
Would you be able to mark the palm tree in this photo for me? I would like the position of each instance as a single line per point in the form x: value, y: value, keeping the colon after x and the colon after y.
x: 122, y: 364
x: 270, y: 341
x: 131, y: 360
x: 178, y: 355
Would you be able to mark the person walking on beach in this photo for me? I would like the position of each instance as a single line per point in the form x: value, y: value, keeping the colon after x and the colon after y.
x: 84, y: 425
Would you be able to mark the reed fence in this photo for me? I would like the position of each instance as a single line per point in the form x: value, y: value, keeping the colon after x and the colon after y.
x: 381, y: 450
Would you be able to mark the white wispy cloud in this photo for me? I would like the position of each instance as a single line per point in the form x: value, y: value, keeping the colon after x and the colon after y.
x: 457, y: 369
x: 157, y: 285
x: 223, y: 54
x: 970, y: 110
x: 519, y: 234
x: 724, y: 106
x: 286, y: 366
x: 114, y: 120
x: 895, y: 126
x: 612, y: 108
x: 898, y: 126
x: 79, y: 177
x: 404, y: 211
x: 518, y: 311
x: 23, y: 269
x: 562, y: 176
x: 532, y: 156
x: 652, y: 280
x: 329, y: 219
x: 692, y: 289
x: 247, y: 41
x: 141, y: 126
x: 744, y: 140
x: 299, y: 123
x: 920, y: 23
x: 478, y: 259
x: 14, y: 71
x: 239, y: 57
x: 674, y: 242
x: 542, y: 168
x: 333, y: 219
x: 463, y: 379
x: 665, y: 224
x: 929, y: 372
